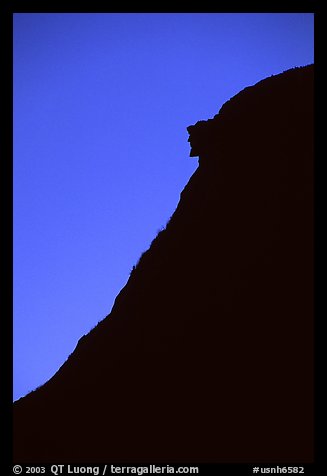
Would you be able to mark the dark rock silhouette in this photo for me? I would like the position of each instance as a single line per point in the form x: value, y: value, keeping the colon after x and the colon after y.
x: 207, y: 355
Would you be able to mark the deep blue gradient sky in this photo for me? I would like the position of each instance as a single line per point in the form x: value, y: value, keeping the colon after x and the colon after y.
x: 101, y: 106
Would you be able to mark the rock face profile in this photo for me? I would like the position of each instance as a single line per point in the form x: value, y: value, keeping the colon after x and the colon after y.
x: 207, y: 354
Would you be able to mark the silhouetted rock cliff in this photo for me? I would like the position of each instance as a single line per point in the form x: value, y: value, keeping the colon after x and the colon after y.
x: 207, y: 355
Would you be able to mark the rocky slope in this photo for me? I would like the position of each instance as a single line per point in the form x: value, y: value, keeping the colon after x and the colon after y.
x: 207, y: 355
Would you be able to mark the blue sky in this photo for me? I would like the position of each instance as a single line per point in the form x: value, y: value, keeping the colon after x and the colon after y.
x: 101, y: 106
